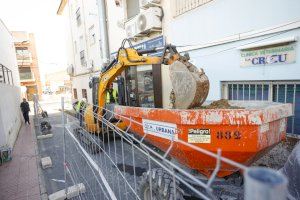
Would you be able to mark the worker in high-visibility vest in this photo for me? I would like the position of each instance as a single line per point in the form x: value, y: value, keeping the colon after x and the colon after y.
x: 111, y: 95
x: 80, y: 107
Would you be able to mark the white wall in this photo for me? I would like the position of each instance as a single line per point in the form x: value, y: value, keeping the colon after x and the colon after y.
x: 218, y: 20
x: 7, y: 52
x: 82, y: 82
x: 225, y: 66
x: 10, y: 117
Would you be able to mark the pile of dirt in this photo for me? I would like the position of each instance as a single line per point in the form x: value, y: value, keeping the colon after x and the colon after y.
x: 220, y: 104
x: 277, y: 157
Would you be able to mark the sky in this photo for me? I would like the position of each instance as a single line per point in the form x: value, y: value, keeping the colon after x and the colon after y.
x: 39, y: 17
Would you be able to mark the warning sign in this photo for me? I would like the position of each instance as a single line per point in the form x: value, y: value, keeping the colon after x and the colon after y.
x: 199, y: 136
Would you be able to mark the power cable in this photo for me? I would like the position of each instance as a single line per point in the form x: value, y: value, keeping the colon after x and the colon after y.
x: 248, y: 35
x: 233, y: 48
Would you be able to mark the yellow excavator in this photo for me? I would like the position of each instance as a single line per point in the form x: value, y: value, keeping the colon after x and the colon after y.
x: 190, y: 84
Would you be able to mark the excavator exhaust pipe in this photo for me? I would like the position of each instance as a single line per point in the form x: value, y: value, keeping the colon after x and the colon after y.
x: 190, y: 85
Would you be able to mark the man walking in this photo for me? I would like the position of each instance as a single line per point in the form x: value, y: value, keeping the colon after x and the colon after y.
x: 25, y: 110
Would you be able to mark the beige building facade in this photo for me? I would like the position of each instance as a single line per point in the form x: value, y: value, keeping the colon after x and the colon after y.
x: 28, y: 64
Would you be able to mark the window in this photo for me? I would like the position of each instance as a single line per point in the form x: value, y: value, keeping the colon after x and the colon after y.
x: 82, y: 58
x: 75, y: 47
x: 132, y: 8
x: 276, y: 91
x: 84, y: 94
x: 23, y: 53
x: 251, y: 91
x: 75, y: 93
x: 92, y: 35
x: 25, y: 73
x: 78, y: 17
x: 140, y: 90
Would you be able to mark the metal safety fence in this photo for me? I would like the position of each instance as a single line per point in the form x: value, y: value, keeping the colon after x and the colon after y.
x: 112, y: 163
x: 6, y: 76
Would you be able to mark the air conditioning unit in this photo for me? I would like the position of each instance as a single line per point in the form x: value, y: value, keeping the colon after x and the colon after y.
x: 148, y: 3
x: 130, y: 28
x: 149, y: 21
x: 144, y: 23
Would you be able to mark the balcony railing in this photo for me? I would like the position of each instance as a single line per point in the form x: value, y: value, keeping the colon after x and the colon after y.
x: 182, y: 6
x: 24, y: 56
x: 6, y: 76
x: 24, y: 63
x: 26, y: 76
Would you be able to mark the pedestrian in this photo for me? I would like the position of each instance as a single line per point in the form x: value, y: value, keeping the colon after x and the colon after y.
x: 25, y: 110
x: 80, y: 108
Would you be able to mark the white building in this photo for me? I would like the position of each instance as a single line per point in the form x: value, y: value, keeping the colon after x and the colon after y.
x: 83, y: 44
x: 248, y: 48
x: 10, y: 117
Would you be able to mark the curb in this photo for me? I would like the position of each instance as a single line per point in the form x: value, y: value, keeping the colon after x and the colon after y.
x: 43, y: 192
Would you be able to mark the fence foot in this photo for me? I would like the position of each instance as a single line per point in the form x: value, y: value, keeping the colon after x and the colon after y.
x: 46, y: 162
x: 72, y: 192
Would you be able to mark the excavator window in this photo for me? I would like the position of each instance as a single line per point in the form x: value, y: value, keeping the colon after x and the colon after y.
x: 94, y: 84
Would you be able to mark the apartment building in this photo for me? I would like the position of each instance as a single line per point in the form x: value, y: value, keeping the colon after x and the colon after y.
x: 28, y: 64
x: 10, y: 115
x: 243, y: 60
x: 84, y: 58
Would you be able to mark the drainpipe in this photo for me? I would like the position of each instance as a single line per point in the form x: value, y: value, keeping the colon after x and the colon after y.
x: 104, y: 47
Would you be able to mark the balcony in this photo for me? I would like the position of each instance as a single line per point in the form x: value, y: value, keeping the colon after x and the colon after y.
x: 183, y: 6
x: 26, y: 77
x: 24, y: 59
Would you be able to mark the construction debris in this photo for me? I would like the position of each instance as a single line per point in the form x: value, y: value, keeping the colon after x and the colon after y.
x: 220, y: 104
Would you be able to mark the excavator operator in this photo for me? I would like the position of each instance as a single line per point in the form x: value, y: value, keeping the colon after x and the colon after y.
x: 111, y: 95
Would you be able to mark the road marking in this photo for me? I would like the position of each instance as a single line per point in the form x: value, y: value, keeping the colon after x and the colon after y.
x: 56, y: 180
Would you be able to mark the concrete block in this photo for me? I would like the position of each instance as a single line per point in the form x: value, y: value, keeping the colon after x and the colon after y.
x: 72, y: 191
x: 81, y: 188
x: 60, y: 195
x: 44, y: 136
x: 46, y: 162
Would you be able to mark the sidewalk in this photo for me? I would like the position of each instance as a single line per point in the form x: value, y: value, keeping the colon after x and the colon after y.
x: 19, y: 177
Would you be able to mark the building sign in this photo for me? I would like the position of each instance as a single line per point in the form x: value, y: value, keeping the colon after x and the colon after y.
x: 269, y: 56
x: 149, y: 44
x: 160, y: 129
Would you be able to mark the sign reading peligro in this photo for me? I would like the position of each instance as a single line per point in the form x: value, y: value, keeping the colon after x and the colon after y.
x: 269, y: 56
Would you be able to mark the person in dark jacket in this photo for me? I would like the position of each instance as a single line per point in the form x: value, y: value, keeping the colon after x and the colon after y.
x: 25, y: 110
